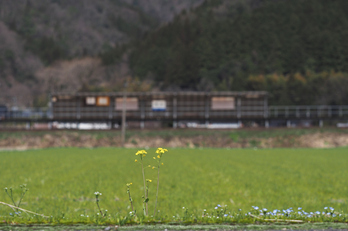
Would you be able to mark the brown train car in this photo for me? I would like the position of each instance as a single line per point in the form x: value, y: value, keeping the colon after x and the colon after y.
x: 160, y: 106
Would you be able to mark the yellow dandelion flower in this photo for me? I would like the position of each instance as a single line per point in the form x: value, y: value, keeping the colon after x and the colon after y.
x: 158, y: 156
x: 154, y: 158
x: 153, y: 167
x: 162, y: 164
x: 135, y: 160
x: 161, y: 150
x: 149, y: 166
x: 141, y: 152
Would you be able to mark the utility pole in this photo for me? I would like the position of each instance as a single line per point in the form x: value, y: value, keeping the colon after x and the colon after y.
x: 124, y: 119
x: 124, y: 115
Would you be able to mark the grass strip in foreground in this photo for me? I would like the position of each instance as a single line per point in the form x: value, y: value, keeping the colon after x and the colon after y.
x: 273, y: 226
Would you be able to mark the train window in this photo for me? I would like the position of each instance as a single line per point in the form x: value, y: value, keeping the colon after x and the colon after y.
x: 222, y: 103
x: 103, y: 101
x: 158, y: 105
x: 90, y: 101
x: 131, y: 104
x: 252, y: 96
x: 65, y: 97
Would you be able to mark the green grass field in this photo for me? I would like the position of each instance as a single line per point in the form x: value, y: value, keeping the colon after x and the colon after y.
x: 62, y: 182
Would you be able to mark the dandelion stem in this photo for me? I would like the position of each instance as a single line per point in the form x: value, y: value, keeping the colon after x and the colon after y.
x: 142, y: 169
x: 144, y: 210
x: 160, y: 152
x: 130, y: 199
x: 20, y: 200
x: 142, y: 154
x: 11, y: 196
x: 146, y: 197
x: 97, y: 194
x: 158, y: 170
x: 99, y: 208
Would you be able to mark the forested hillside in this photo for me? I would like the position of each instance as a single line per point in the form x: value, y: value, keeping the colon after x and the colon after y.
x: 294, y: 49
x: 56, y: 45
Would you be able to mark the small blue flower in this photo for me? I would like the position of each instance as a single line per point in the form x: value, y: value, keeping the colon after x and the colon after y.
x: 332, y: 208
x: 325, y: 207
x: 256, y: 208
x: 299, y: 208
x: 299, y: 213
x: 317, y: 212
x: 216, y: 208
x: 264, y: 210
x: 11, y: 214
x: 333, y: 215
x: 275, y: 211
x: 225, y: 215
x: 218, y: 205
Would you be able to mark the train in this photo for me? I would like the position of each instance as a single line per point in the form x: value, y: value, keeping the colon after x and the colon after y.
x: 226, y: 109
x: 169, y: 107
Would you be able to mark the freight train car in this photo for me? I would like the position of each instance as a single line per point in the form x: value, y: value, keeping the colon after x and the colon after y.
x: 160, y: 106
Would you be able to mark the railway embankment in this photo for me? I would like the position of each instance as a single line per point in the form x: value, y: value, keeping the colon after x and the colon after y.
x: 180, y: 138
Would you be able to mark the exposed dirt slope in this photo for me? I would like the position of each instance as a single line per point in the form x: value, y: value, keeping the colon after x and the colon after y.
x: 28, y: 140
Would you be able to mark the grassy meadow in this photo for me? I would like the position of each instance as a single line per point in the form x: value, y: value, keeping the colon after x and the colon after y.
x: 62, y: 182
